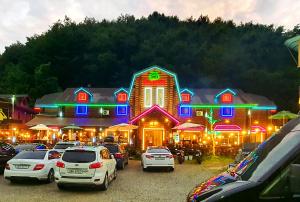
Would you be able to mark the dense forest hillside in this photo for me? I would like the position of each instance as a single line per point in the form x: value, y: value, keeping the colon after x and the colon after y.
x: 204, y: 53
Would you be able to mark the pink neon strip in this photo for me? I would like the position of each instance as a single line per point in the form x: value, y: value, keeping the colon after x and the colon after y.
x: 261, y: 129
x: 150, y: 110
x: 227, y: 128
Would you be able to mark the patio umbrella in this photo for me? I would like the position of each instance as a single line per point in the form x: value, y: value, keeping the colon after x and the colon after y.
x: 40, y: 127
x: 284, y: 115
x: 72, y: 127
x: 122, y: 126
x: 189, y: 126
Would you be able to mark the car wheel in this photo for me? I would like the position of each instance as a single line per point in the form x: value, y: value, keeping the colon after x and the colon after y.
x: 104, y: 185
x: 50, y: 178
x: 115, y: 174
x: 144, y: 169
x: 61, y: 186
x: 171, y: 169
x: 13, y: 181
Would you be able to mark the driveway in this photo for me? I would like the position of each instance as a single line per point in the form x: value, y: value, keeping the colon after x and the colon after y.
x: 132, y: 184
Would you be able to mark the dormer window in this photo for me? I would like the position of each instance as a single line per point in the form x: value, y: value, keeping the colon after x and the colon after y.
x: 121, y: 97
x: 185, y: 97
x: 82, y: 97
x: 227, y: 98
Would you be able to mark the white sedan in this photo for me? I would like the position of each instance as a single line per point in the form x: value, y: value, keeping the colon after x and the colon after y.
x: 35, y: 164
x: 86, y: 166
x: 157, y: 157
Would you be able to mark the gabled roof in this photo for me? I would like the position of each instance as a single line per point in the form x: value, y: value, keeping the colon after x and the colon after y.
x: 152, y: 68
x: 185, y: 90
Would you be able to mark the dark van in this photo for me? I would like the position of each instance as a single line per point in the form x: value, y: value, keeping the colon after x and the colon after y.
x: 269, y: 173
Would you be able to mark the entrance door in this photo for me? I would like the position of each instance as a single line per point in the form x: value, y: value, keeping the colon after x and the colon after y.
x: 153, y: 137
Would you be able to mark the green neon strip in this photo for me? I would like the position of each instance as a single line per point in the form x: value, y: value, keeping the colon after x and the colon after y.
x: 264, y: 108
x: 75, y: 104
x: 205, y: 106
x: 153, y: 67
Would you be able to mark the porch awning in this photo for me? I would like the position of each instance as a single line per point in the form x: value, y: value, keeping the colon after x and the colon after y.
x: 61, y: 121
x: 228, y: 128
x: 255, y: 129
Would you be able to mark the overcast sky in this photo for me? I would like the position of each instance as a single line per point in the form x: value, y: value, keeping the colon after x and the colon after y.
x: 22, y: 18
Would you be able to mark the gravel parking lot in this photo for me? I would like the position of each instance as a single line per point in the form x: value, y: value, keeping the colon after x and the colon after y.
x: 132, y: 184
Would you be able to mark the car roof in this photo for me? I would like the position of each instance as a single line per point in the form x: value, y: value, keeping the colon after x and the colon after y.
x: 157, y: 147
x: 70, y: 142
x: 86, y: 148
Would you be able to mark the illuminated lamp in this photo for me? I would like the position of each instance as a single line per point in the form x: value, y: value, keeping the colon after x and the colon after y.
x: 82, y: 97
x: 122, y: 111
x: 185, y: 111
x: 37, y: 109
x: 81, y: 110
x: 185, y: 97
x: 227, y: 98
x: 122, y: 97
x: 226, y: 112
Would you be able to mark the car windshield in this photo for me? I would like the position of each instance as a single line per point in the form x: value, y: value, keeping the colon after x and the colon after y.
x: 157, y: 150
x: 112, y: 148
x: 25, y: 146
x: 63, y: 146
x: 79, y: 156
x: 247, y: 167
x: 31, y: 155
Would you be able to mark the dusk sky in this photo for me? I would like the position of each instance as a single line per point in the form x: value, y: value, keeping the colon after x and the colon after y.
x: 22, y: 18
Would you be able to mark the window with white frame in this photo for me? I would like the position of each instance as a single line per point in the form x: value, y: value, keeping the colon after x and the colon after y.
x: 160, y: 96
x: 148, y: 97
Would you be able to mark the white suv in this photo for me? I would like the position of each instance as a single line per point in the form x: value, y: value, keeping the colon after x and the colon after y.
x: 86, y: 166
x: 62, y: 146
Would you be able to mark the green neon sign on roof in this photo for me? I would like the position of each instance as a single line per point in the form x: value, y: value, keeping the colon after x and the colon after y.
x: 153, y: 76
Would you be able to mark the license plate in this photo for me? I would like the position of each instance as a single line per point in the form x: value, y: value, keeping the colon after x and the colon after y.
x: 76, y: 170
x: 159, y: 158
x: 22, y: 166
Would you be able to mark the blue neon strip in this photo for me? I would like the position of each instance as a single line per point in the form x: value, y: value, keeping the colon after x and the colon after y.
x: 148, y: 69
x: 223, y: 112
x: 120, y: 109
x: 264, y: 108
x: 181, y: 109
x: 81, y: 110
x: 46, y: 106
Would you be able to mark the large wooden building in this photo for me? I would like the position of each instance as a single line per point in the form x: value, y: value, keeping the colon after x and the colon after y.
x: 156, y: 103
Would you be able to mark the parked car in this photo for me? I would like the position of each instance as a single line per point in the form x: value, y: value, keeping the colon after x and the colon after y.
x: 86, y: 166
x: 62, y: 146
x: 7, y: 152
x: 120, y: 154
x: 35, y: 164
x: 157, y: 157
x: 269, y: 173
x: 27, y: 147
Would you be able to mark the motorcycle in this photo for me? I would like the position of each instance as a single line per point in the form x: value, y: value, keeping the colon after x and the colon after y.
x: 180, y: 156
x: 198, y: 156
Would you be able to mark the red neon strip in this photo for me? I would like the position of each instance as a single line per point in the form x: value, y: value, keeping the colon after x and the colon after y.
x: 161, y: 82
x: 152, y: 109
x: 260, y: 129
x: 227, y: 128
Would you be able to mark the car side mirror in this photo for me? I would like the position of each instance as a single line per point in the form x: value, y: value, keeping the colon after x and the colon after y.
x: 294, y: 178
x: 112, y: 156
